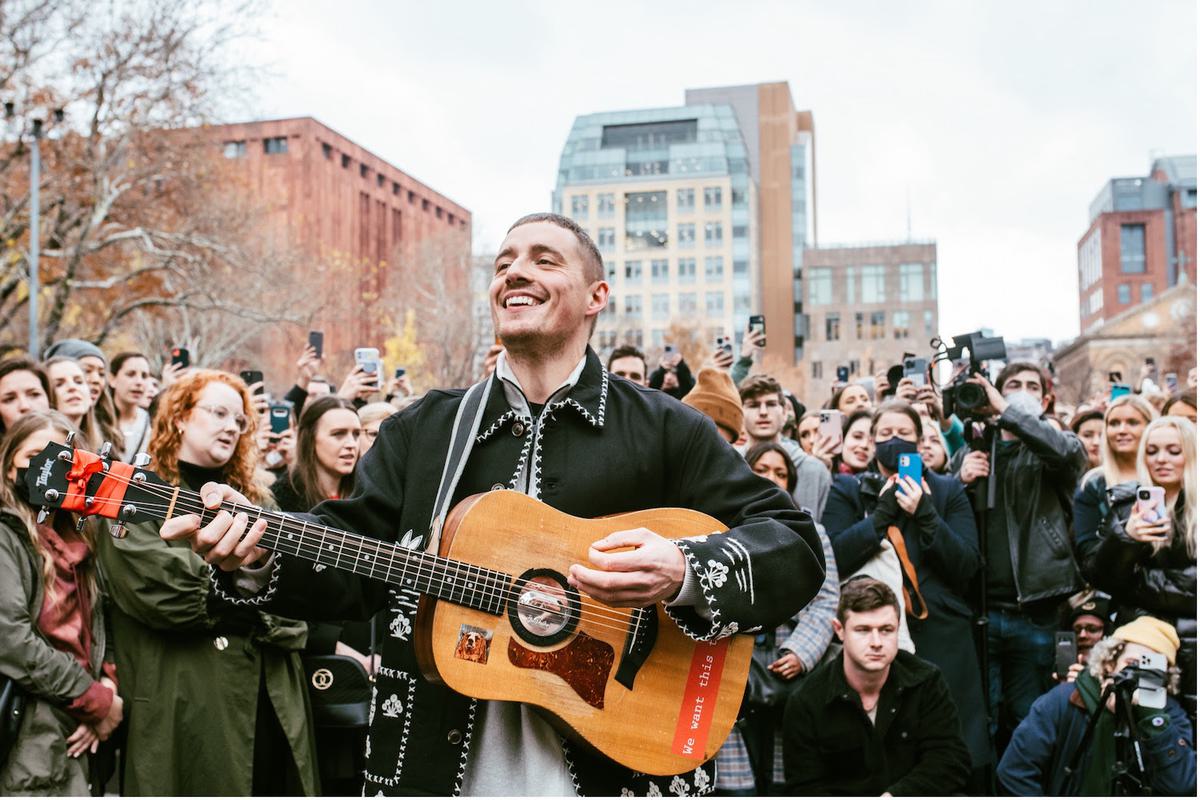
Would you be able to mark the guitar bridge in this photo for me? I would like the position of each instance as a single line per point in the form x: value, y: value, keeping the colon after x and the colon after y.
x: 640, y: 637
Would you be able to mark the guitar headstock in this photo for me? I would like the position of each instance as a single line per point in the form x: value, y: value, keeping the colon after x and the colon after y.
x: 92, y: 484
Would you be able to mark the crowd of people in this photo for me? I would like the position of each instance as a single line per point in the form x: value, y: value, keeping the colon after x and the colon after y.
x: 927, y: 663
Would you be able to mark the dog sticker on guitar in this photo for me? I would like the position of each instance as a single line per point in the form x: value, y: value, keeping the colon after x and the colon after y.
x: 474, y: 644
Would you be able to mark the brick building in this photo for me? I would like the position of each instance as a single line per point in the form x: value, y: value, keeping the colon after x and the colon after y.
x: 867, y: 305
x: 352, y: 212
x: 1140, y: 242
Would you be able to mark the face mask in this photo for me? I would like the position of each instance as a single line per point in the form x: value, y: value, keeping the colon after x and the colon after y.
x: 1024, y: 402
x: 888, y: 453
x: 20, y: 489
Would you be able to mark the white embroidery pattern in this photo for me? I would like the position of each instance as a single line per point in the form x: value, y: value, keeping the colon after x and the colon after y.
x: 401, y: 627
x: 627, y: 792
x: 728, y: 630
x: 258, y: 599
x: 691, y: 624
x: 389, y: 672
x: 679, y: 787
x: 466, y: 748
x: 392, y: 707
x: 318, y: 567
x: 653, y: 790
x: 512, y: 484
x: 701, y: 779
x: 411, y: 541
x: 714, y: 577
x: 496, y: 426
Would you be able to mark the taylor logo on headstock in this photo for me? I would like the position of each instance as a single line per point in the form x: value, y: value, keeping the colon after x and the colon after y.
x: 43, y: 476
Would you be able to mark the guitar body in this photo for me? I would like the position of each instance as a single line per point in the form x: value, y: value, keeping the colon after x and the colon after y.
x: 628, y: 682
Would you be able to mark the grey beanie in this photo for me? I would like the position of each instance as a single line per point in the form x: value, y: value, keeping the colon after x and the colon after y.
x: 75, y: 348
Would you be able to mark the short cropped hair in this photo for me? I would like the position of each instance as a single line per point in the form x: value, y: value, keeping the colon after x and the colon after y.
x: 593, y: 267
x: 863, y: 594
x: 626, y: 351
x: 1025, y: 366
x: 758, y: 385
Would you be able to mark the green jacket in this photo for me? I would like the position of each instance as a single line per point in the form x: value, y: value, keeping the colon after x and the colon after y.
x: 190, y: 672
x: 38, y: 763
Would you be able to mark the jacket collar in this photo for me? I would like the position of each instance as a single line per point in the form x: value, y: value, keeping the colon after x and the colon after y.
x: 585, y: 393
x: 907, y: 670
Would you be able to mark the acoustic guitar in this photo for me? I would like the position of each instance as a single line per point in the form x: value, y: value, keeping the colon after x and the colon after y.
x: 497, y: 619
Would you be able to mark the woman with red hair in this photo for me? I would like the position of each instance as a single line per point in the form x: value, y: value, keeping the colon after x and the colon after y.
x: 216, y: 696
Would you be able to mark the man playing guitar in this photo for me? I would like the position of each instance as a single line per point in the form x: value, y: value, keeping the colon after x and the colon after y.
x: 559, y: 428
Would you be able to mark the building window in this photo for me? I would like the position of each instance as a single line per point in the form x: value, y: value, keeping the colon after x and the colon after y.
x: 820, y: 286
x: 660, y: 306
x: 659, y: 271
x: 873, y: 286
x: 234, y: 149
x: 1147, y: 292
x: 606, y: 239
x: 714, y: 304
x: 633, y: 305
x: 380, y: 180
x: 714, y: 268
x: 858, y: 325
x: 912, y: 283
x: 275, y: 146
x: 633, y: 272
x: 741, y: 266
x: 327, y: 150
x: 1095, y: 301
x: 833, y: 327
x: 1124, y: 296
x: 610, y: 269
x: 645, y: 220
x: 818, y: 371
x: 1133, y: 249
x: 685, y: 201
x: 658, y: 337
x: 851, y: 273
x: 579, y: 206
x: 712, y: 198
x: 741, y: 304
x: 929, y: 323
x: 687, y: 270
x: 900, y: 323
x: 739, y: 231
x: 606, y: 207
x: 395, y: 189
x: 412, y: 197
x: 687, y: 303
x: 686, y: 233
x: 878, y: 324
x: 424, y: 204
x: 363, y: 171
x: 714, y: 234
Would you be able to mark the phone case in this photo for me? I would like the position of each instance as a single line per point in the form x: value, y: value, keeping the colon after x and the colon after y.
x: 910, y: 466
x: 1156, y: 505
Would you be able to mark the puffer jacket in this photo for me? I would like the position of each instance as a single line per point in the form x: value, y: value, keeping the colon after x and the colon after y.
x: 1039, y: 482
x: 38, y: 763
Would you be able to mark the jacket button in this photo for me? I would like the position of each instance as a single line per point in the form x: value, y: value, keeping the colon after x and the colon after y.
x: 518, y: 428
x: 903, y: 734
x: 497, y: 487
x: 220, y: 643
x: 454, y: 736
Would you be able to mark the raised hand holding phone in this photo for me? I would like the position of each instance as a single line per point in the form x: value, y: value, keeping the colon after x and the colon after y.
x: 1146, y: 531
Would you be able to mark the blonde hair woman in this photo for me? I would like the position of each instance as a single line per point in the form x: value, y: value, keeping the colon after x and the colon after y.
x: 1148, y: 564
x: 1124, y: 421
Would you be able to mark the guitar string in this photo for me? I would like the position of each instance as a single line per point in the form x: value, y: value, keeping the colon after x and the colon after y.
x: 596, y: 613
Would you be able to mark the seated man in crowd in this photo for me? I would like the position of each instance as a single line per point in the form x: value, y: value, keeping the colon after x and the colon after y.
x: 877, y: 721
x: 1037, y: 759
x: 765, y: 412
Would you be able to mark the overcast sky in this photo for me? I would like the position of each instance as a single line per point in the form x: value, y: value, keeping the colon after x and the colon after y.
x: 997, y: 121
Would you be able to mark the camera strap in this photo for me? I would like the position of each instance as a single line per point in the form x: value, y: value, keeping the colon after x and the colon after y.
x: 462, y: 438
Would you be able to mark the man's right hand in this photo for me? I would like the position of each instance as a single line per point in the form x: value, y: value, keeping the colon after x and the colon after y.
x: 753, y: 343
x: 974, y: 467
x: 306, y: 366
x: 229, y: 540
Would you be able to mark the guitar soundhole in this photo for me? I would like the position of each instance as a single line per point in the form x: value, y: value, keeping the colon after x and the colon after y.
x: 546, y: 608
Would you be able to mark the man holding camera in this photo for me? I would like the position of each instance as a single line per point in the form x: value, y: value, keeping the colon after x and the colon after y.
x: 1046, y: 745
x: 1028, y: 558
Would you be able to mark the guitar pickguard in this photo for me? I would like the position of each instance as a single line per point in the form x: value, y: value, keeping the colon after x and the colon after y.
x: 584, y: 664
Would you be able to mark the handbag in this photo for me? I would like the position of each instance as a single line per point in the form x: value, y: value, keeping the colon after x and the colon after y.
x: 764, y: 687
x: 340, y: 691
x: 12, y: 713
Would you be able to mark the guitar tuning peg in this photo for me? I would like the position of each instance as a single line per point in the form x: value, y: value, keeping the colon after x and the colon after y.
x: 105, y: 450
x: 79, y: 525
x: 142, y: 460
x: 43, y: 512
x: 71, y: 439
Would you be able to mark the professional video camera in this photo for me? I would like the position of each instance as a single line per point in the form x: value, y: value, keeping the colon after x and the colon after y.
x: 968, y: 400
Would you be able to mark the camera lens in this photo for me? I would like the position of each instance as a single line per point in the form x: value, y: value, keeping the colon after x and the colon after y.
x: 1143, y: 494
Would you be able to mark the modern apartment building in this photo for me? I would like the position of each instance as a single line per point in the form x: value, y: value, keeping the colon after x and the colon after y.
x: 1141, y: 241
x: 868, y: 304
x: 702, y: 212
x: 350, y: 211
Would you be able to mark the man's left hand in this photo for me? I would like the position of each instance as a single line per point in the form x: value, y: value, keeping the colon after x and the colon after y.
x: 787, y: 666
x: 995, y: 400
x: 650, y: 570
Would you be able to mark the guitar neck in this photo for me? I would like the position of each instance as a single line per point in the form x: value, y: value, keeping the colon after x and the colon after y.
x: 446, y: 579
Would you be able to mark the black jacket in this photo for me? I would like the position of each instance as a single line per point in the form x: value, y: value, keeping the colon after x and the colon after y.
x: 608, y: 447
x: 944, y: 549
x: 830, y: 746
x: 1038, y: 485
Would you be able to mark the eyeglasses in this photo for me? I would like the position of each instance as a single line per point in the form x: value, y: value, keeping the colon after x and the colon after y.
x: 1092, y: 629
x: 223, y: 415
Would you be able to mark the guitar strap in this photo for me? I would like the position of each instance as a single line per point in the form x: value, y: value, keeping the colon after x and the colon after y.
x: 462, y: 438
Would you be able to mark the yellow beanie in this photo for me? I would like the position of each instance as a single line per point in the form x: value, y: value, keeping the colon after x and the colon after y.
x: 1159, y: 636
x: 716, y: 396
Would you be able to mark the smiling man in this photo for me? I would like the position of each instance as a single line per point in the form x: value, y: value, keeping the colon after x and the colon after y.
x: 558, y: 428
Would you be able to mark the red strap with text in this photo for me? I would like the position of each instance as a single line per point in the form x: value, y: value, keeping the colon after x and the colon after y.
x: 699, y: 699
